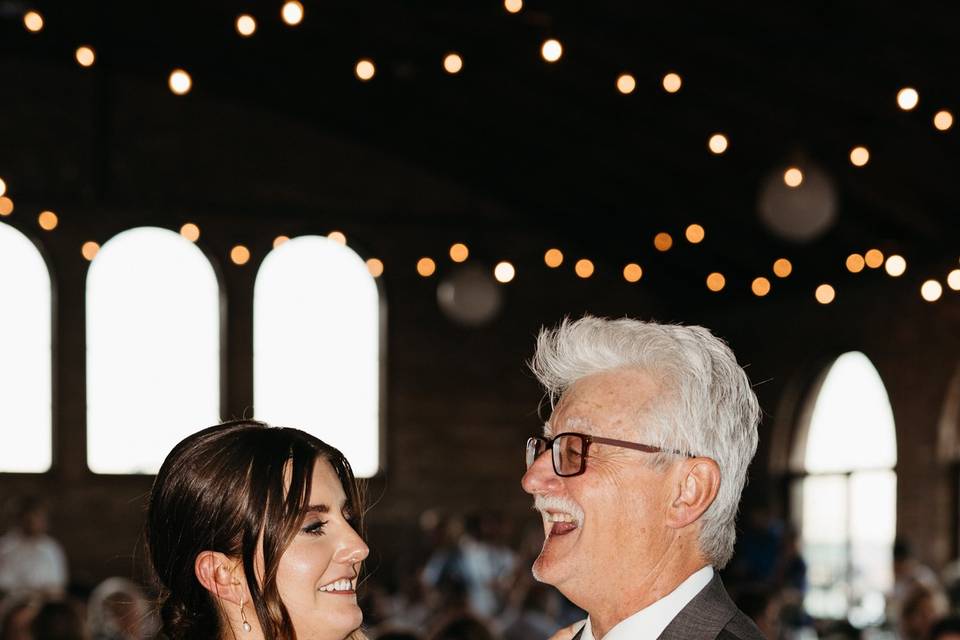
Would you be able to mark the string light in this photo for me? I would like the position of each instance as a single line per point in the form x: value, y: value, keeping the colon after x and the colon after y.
x: 375, y: 267
x: 240, y: 255
x: 626, y: 83
x: 504, y: 272
x: 855, y: 263
x: 953, y: 279
x: 908, y: 98
x: 896, y: 266
x: 246, y: 25
x: 292, y: 13
x: 89, y: 250
x: 931, y: 290
x: 825, y: 294
x: 365, y: 69
x: 632, y: 272
x: 553, y: 258
x: 338, y: 237
x: 793, y: 177
x: 943, y: 120
x: 716, y: 282
x: 662, y: 241
x: 513, y: 6
x: 190, y: 231
x: 583, y: 268
x: 873, y: 258
x: 782, y: 268
x: 760, y: 286
x: 279, y: 240
x: 48, y: 220
x: 6, y: 206
x: 426, y: 267
x: 459, y: 252
x: 453, y: 63
x: 551, y: 50
x: 3, y: 187
x: 695, y: 234
x: 859, y: 156
x: 33, y: 21
x: 180, y: 82
x: 672, y: 83
x: 85, y: 56
x: 718, y: 143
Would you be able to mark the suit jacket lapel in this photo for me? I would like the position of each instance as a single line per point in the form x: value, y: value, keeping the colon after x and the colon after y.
x: 705, y: 616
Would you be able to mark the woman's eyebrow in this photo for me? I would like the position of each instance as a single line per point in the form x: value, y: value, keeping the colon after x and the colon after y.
x: 318, y: 508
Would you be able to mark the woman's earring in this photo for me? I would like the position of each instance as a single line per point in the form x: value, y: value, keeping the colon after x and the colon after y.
x: 246, y: 625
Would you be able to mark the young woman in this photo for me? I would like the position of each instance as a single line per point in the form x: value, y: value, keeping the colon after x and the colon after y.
x: 253, y: 534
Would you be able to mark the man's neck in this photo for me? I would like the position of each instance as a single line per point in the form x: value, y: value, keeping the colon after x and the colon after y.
x: 636, y: 597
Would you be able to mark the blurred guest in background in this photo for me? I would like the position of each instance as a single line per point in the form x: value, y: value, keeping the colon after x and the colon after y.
x: 16, y: 614
x: 30, y: 560
x: 946, y: 629
x: 118, y: 610
x: 921, y: 608
x: 57, y: 620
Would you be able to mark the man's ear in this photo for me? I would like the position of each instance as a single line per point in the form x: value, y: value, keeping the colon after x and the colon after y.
x: 696, y: 489
x: 222, y: 576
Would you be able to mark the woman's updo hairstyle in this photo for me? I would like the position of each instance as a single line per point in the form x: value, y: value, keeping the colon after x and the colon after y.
x: 221, y: 489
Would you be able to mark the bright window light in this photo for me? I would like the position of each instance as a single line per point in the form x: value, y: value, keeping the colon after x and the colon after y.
x: 317, y: 348
x: 848, y: 500
x: 153, y: 349
x: 25, y: 366
x: 852, y: 424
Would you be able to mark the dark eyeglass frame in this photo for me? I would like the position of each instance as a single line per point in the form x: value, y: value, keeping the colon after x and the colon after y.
x: 539, y: 445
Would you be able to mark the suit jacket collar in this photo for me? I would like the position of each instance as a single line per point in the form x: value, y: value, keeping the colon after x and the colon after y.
x: 705, y: 616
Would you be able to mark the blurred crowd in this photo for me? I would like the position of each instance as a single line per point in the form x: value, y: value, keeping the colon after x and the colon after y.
x: 468, y: 577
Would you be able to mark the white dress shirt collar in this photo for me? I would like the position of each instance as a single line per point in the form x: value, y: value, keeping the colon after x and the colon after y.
x: 649, y: 623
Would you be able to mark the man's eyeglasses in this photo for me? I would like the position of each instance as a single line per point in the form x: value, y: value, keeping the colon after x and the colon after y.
x: 569, y: 451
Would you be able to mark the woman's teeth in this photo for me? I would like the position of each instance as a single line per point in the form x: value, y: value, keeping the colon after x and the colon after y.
x: 339, y: 585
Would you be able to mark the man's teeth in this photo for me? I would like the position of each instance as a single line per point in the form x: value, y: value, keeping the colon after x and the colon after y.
x: 339, y: 585
x: 559, y: 517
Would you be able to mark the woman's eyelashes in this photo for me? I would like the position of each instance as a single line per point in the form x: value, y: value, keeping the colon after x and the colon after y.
x: 314, y: 528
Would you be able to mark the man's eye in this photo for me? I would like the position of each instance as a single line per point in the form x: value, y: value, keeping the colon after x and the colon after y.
x: 315, y: 528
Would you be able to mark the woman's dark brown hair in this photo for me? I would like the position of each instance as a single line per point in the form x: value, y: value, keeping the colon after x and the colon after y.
x: 221, y: 489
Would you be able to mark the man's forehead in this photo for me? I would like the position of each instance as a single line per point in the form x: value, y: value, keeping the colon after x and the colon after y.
x: 563, y: 423
x: 604, y: 403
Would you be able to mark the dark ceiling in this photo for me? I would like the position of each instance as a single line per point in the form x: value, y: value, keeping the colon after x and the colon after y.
x: 796, y: 83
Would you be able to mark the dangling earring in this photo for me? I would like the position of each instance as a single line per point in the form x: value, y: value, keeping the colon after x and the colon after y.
x: 246, y: 625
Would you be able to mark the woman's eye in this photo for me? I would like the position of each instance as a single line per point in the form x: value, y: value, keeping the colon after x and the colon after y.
x: 315, y: 528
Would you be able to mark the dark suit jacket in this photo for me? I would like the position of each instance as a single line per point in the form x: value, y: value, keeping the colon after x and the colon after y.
x: 711, y: 615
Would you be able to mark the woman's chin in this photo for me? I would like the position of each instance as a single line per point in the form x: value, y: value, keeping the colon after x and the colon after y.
x: 332, y: 625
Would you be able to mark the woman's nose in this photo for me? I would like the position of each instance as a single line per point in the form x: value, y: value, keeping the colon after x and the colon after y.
x: 353, y: 550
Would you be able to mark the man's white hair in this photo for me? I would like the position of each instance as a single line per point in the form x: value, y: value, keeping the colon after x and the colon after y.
x: 707, y: 407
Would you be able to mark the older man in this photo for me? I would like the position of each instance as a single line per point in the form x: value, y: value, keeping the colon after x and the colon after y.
x: 653, y: 427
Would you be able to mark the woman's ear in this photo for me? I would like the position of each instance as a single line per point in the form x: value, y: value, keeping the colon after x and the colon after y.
x: 222, y: 576
x: 698, y: 485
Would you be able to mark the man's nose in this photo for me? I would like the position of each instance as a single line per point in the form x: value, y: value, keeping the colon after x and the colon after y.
x: 540, y: 477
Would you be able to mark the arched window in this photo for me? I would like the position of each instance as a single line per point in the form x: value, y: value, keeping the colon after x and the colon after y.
x: 316, y: 329
x: 847, y: 493
x: 153, y: 349
x: 25, y: 358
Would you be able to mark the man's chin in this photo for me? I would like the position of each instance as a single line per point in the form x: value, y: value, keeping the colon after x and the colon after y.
x: 554, y: 561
